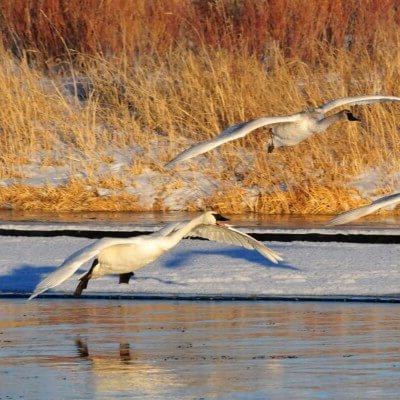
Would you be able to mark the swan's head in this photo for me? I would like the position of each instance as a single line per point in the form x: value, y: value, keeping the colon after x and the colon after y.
x: 350, y: 116
x: 213, y: 218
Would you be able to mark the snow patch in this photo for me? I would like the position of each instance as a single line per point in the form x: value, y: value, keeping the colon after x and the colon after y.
x: 370, y: 183
x: 208, y: 268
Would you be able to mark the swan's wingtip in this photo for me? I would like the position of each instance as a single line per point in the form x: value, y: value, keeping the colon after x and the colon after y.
x: 338, y: 220
x: 36, y: 293
x: 170, y: 164
x: 331, y: 223
x: 276, y: 258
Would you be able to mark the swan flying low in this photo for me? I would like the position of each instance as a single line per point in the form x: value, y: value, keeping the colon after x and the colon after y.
x: 122, y: 256
x: 287, y: 130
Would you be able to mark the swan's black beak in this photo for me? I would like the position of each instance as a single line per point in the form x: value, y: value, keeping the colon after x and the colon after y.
x: 219, y: 218
x: 352, y: 117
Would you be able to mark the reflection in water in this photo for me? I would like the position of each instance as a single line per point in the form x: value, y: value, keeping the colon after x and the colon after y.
x: 82, y: 348
x: 137, y: 349
x: 124, y: 352
x: 112, y: 373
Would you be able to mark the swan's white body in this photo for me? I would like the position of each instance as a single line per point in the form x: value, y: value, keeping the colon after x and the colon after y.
x: 287, y: 130
x: 383, y: 202
x: 121, y: 256
x: 291, y: 133
x: 128, y: 257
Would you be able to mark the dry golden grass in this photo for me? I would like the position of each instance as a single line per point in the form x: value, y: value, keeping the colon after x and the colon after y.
x: 187, y: 88
x: 71, y: 197
x: 195, y: 96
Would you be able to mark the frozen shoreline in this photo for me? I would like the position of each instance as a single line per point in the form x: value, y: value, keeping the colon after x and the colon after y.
x: 99, y: 224
x: 201, y: 269
x: 106, y: 228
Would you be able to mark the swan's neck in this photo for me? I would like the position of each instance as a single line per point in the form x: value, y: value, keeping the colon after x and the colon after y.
x: 176, y: 237
x: 326, y: 122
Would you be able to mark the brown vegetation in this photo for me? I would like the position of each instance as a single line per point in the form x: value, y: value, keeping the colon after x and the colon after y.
x: 107, y: 27
x: 81, y: 80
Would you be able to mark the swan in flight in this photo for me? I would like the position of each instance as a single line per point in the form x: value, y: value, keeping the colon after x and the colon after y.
x: 122, y: 256
x: 348, y: 216
x: 287, y: 130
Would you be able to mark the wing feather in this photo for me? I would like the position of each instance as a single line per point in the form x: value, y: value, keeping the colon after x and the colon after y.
x: 72, y: 263
x: 359, y: 212
x: 232, y: 133
x: 230, y: 235
x: 357, y: 100
x: 168, y: 229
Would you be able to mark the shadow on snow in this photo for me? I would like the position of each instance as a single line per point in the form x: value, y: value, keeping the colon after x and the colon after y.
x: 23, y: 278
x: 184, y: 257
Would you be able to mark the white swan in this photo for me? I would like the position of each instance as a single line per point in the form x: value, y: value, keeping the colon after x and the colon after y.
x: 287, y: 130
x: 122, y: 256
x: 382, y: 202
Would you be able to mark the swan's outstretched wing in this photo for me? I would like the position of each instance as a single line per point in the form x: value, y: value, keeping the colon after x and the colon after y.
x: 230, y: 235
x: 167, y: 229
x: 357, y: 100
x: 356, y: 213
x: 72, y: 263
x: 233, y: 132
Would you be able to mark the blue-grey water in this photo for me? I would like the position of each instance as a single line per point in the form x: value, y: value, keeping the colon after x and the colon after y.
x: 100, y: 349
x: 148, y: 220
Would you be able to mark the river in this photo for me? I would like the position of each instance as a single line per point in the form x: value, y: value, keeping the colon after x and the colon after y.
x: 112, y: 349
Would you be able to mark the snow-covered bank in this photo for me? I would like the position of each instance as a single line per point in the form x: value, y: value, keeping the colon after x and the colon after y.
x: 204, y: 268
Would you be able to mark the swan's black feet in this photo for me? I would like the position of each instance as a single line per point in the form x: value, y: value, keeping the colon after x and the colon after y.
x: 270, y: 148
x: 82, y: 348
x: 85, y: 279
x: 81, y: 286
x: 124, y: 278
x: 124, y: 352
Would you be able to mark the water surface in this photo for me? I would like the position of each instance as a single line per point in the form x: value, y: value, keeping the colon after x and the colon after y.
x: 100, y: 349
x: 153, y: 220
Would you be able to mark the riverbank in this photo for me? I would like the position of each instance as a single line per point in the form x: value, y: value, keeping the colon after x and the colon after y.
x: 198, y: 268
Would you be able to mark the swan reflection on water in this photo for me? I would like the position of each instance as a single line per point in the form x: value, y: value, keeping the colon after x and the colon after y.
x: 158, y: 350
x: 120, y: 371
x: 124, y: 369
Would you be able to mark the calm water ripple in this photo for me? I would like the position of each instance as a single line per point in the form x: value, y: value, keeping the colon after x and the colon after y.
x: 98, y: 349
